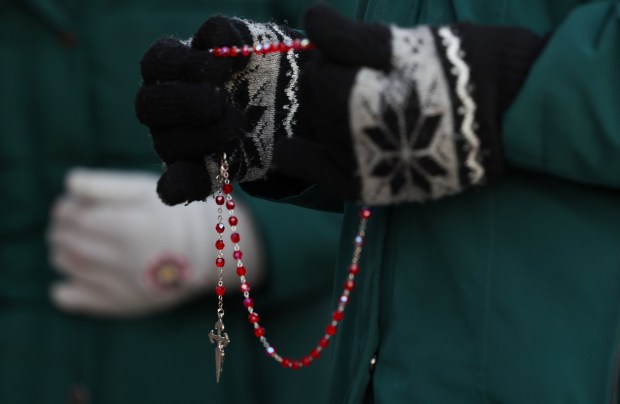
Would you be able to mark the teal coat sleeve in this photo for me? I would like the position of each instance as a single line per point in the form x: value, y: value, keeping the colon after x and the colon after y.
x: 566, y: 119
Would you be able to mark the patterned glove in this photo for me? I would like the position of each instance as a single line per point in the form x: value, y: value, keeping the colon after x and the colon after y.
x: 406, y: 114
x: 124, y: 253
x: 199, y: 106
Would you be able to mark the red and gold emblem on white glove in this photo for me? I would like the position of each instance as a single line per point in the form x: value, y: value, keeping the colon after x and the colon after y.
x: 168, y: 272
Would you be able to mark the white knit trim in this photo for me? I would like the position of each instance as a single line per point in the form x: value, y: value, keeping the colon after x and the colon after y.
x: 416, y: 70
x: 261, y: 76
x: 454, y: 55
x: 293, y: 84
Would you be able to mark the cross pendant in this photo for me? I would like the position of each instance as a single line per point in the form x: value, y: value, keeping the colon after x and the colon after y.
x: 221, y: 340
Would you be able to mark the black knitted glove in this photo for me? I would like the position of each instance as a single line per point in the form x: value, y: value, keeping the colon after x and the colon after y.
x: 406, y: 114
x: 199, y: 106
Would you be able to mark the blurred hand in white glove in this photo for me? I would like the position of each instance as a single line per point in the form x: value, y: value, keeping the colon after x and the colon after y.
x: 124, y: 253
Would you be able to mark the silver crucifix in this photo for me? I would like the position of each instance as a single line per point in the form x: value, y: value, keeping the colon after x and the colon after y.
x: 221, y: 340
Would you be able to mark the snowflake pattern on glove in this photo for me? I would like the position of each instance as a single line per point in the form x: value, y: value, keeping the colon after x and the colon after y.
x: 266, y: 91
x: 406, y: 128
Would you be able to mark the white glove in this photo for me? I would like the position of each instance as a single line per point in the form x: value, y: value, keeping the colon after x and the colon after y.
x: 124, y: 253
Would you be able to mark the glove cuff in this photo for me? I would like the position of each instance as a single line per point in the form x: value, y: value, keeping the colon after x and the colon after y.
x: 500, y: 59
x: 266, y: 91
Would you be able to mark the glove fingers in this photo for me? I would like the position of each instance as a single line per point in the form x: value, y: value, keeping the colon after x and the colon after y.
x: 318, y: 164
x: 112, y: 300
x: 348, y: 42
x: 169, y: 59
x: 109, y: 186
x: 83, y: 297
x: 77, y: 213
x: 82, y: 225
x: 220, y: 31
x: 77, y: 253
x: 173, y: 104
x: 184, y: 182
x: 194, y: 142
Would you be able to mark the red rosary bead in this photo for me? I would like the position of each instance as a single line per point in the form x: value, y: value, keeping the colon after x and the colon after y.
x: 338, y: 315
x: 297, y: 45
x: 253, y: 318
x: 262, y: 49
x: 221, y: 51
x: 259, y: 332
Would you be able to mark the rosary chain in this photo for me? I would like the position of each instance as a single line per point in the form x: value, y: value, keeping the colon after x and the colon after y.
x: 224, y: 196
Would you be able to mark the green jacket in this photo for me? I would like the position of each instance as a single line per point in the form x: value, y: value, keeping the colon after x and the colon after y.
x: 511, y: 293
x: 68, y: 77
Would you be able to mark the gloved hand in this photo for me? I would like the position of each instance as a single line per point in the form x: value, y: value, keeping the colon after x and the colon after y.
x: 199, y: 106
x: 406, y: 114
x: 124, y: 253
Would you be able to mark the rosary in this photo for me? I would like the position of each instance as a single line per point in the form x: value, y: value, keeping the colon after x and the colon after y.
x: 223, y: 197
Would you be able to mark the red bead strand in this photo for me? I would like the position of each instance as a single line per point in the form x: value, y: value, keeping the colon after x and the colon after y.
x: 219, y: 245
x: 253, y: 318
x: 262, y: 49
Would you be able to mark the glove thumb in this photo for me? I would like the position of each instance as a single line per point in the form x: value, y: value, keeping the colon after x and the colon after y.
x: 184, y: 182
x: 348, y: 42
